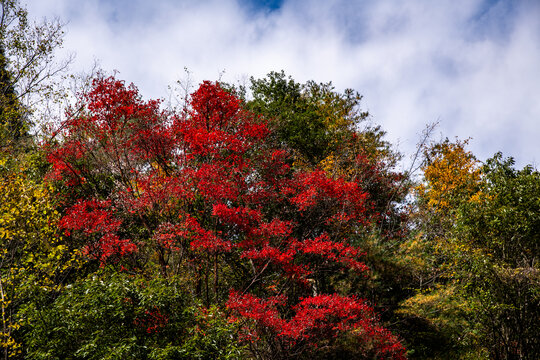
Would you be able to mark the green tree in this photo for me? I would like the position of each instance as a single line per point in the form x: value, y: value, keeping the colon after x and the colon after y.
x: 475, y: 254
x: 503, y: 221
x: 504, y: 216
x: 311, y: 119
x: 126, y: 316
x: 12, y: 126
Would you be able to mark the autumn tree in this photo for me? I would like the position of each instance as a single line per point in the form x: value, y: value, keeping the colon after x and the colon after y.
x: 435, y: 318
x: 327, y: 130
x: 205, y: 193
x: 477, y: 247
x: 34, y: 259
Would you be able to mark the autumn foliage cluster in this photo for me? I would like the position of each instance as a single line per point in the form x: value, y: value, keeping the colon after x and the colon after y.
x: 208, y: 193
x: 272, y: 225
x: 268, y: 226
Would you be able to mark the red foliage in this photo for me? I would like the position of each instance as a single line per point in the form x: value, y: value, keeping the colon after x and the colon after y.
x: 316, y: 319
x: 313, y: 188
x: 209, y: 178
x: 151, y: 321
x: 95, y: 217
x: 334, y: 251
x: 205, y: 239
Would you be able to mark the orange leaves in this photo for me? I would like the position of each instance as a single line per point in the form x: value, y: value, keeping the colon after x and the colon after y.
x: 452, y: 175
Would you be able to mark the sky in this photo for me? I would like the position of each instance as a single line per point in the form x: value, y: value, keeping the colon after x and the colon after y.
x: 473, y: 66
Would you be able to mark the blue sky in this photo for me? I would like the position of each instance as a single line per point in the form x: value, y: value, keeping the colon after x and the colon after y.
x: 472, y: 65
x: 264, y: 5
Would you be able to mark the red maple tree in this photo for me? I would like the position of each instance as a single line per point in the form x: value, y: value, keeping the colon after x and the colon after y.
x: 206, y: 192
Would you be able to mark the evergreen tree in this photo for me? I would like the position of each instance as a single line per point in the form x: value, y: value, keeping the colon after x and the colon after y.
x: 13, y: 127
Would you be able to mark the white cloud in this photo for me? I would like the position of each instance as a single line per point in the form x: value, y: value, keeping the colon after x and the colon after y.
x: 471, y: 64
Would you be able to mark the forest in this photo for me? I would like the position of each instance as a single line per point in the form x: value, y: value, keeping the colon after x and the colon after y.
x: 270, y: 220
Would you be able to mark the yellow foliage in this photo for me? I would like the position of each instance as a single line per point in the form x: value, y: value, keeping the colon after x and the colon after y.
x: 32, y: 250
x: 451, y: 175
x: 443, y: 307
x: 331, y: 165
